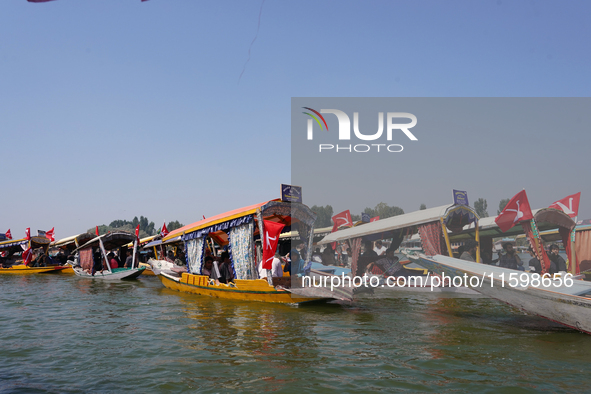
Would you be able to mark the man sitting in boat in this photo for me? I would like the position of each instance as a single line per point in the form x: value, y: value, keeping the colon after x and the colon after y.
x: 225, y: 267
x: 390, y: 266
x: 469, y: 253
x: 510, y: 259
x: 368, y: 257
x: 276, y: 268
x: 112, y: 261
x: 211, y: 269
x: 556, y: 258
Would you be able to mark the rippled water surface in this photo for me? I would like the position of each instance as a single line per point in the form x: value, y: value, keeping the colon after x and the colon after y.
x: 61, y: 333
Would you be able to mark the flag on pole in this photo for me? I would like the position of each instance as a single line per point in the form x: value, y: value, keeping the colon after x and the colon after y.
x: 27, y: 256
x: 374, y: 219
x: 342, y: 219
x: 137, y: 232
x: 28, y: 233
x: 568, y: 205
x: 164, y: 231
x: 96, y: 231
x: 8, y: 234
x: 517, y: 210
x: 49, y: 234
x: 271, y: 239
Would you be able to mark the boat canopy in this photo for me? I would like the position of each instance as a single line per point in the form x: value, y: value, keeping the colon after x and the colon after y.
x: 18, y: 245
x: 294, y: 235
x: 159, y: 242
x: 217, y: 226
x: 74, y: 241
x: 455, y: 217
x: 111, y: 240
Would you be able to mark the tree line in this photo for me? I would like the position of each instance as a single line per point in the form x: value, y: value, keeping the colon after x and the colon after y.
x: 147, y: 228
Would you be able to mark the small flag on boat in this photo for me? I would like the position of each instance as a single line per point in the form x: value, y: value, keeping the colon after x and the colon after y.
x: 96, y: 231
x: 342, y: 219
x: 516, y: 210
x: 137, y: 231
x: 8, y: 234
x: 28, y: 233
x: 374, y: 219
x: 164, y: 232
x: 27, y: 256
x: 568, y: 205
x: 272, y: 231
x: 203, y: 217
x: 49, y: 234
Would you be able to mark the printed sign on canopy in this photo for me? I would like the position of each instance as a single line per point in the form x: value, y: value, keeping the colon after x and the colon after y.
x: 460, y: 197
x: 290, y: 193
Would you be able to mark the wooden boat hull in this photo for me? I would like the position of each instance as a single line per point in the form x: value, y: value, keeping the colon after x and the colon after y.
x: 24, y: 270
x: 244, y: 289
x: 567, y: 305
x: 117, y: 274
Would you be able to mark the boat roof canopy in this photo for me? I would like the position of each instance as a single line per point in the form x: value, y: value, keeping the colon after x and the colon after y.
x: 455, y: 218
x: 159, y: 242
x: 488, y: 228
x: 14, y: 245
x: 273, y: 210
x: 74, y: 240
x: 111, y: 240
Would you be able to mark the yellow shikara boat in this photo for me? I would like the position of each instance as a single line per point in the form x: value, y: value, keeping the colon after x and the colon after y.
x: 239, y: 230
x: 12, y: 262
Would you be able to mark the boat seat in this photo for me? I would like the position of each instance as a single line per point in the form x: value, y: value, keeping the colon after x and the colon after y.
x: 284, y: 282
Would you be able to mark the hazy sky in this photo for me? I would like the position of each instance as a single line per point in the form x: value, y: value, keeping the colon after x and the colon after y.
x: 115, y: 108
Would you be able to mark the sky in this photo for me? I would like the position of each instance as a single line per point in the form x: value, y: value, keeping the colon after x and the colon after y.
x: 111, y: 109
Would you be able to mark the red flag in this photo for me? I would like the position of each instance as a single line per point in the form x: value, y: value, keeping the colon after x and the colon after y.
x: 27, y: 256
x: 8, y: 234
x: 271, y: 239
x: 49, y: 234
x: 164, y: 232
x: 28, y: 233
x: 568, y: 205
x: 374, y: 219
x: 342, y: 219
x: 517, y: 210
x: 137, y: 231
x: 203, y: 217
x: 96, y: 231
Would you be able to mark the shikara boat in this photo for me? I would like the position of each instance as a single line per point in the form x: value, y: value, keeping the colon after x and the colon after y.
x: 433, y: 226
x: 239, y: 230
x: 94, y: 253
x: 12, y: 263
x: 559, y: 300
x: 69, y: 245
x: 158, y: 263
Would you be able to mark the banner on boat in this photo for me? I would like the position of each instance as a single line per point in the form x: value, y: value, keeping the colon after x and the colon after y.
x: 460, y: 197
x: 290, y: 193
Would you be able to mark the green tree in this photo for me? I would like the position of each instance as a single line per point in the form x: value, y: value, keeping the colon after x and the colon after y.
x: 383, y: 210
x: 481, y: 207
x: 422, y: 207
x: 502, y: 204
x: 324, y: 215
x: 171, y: 226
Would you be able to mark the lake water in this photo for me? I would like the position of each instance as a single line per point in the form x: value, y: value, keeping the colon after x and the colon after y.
x: 61, y: 334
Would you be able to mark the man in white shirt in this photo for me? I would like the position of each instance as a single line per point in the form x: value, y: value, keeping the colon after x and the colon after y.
x: 276, y: 268
x: 380, y: 249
